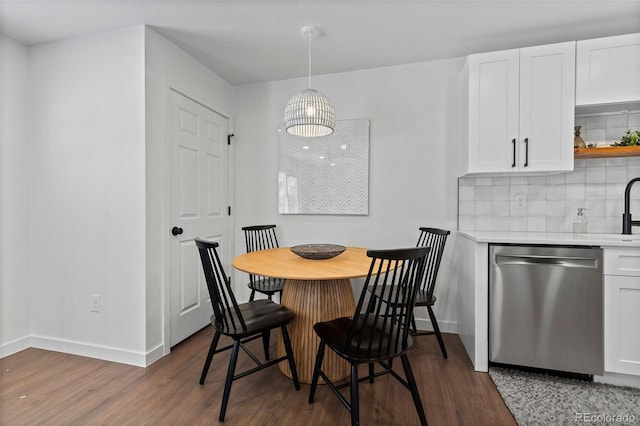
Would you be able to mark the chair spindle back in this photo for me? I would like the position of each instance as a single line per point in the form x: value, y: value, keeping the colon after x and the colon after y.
x: 260, y: 237
x: 436, y: 239
x: 225, y: 307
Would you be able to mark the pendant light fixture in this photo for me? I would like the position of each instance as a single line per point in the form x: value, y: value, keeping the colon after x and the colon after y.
x: 309, y: 113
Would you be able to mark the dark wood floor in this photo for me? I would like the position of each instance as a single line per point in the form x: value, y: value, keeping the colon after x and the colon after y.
x: 50, y: 388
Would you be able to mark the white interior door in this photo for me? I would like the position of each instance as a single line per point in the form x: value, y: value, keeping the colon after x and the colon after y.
x: 199, y: 201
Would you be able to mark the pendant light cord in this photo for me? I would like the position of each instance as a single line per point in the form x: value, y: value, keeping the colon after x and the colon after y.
x: 310, y: 35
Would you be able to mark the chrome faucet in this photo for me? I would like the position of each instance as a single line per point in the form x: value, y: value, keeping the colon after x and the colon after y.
x: 627, y: 223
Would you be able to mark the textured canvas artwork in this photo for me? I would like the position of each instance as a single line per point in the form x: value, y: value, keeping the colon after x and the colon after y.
x: 326, y: 175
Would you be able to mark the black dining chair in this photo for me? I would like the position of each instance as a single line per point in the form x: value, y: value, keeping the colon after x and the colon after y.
x: 379, y: 330
x: 262, y: 237
x: 242, y: 322
x: 436, y: 239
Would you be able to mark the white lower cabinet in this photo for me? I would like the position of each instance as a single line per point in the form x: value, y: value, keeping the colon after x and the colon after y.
x: 622, y: 311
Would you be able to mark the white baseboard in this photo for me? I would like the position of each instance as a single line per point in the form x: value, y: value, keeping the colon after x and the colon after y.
x: 138, y: 359
x: 618, y: 379
x: 154, y: 354
x: 15, y: 346
x: 445, y: 326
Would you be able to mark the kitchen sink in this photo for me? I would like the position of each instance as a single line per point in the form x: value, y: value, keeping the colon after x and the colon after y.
x: 611, y: 237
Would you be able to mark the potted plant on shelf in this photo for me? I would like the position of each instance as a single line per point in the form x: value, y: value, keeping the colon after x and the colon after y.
x: 630, y: 138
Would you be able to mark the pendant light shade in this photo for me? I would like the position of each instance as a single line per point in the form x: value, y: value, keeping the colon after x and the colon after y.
x: 309, y: 113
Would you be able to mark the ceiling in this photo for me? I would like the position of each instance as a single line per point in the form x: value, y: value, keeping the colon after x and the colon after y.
x: 247, y: 41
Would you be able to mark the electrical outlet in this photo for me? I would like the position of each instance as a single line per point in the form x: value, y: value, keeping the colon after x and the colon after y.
x: 96, y: 303
x: 520, y: 203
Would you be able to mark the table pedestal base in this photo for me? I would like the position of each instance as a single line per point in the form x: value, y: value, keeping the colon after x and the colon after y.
x: 315, y: 301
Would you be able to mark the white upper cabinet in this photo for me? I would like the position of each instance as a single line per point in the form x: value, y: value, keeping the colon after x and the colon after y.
x: 518, y: 110
x: 608, y: 70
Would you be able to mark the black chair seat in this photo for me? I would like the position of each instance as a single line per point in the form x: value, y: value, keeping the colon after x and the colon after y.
x: 335, y: 335
x: 423, y: 299
x: 267, y: 285
x: 259, y: 316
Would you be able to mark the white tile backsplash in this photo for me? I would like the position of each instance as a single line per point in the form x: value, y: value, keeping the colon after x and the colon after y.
x: 617, y: 120
x: 488, y: 204
x: 555, y: 208
x: 500, y: 208
x: 518, y: 223
x: 616, y: 174
x: 467, y: 208
x: 467, y: 192
x: 578, y: 175
x: 537, y: 208
x: 575, y: 191
x: 484, y: 208
x: 537, y: 193
x: 500, y: 192
x: 556, y: 179
x: 554, y: 224
x: 502, y: 180
x: 596, y: 122
x: 536, y: 224
x: 595, y: 136
x: 596, y: 191
x: 615, y: 133
x: 594, y: 208
x: 484, y: 193
x: 517, y: 180
x: 595, y: 174
x: 606, y: 129
x: 556, y: 192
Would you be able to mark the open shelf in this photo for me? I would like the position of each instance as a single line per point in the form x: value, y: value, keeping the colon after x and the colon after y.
x: 612, y: 151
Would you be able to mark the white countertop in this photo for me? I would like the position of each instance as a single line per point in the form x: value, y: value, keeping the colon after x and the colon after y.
x: 603, y: 240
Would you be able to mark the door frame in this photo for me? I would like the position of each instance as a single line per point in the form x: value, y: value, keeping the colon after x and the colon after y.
x: 166, y: 213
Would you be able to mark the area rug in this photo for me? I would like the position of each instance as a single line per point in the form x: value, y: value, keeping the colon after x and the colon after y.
x: 539, y: 399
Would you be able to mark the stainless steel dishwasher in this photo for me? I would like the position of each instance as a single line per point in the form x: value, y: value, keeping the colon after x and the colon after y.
x: 546, y: 307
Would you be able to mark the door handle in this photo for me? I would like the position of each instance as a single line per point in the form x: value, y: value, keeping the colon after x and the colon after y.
x: 513, y: 141
x: 526, y: 152
x: 176, y: 231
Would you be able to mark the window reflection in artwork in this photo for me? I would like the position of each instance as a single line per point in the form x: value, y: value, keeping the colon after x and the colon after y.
x: 326, y: 175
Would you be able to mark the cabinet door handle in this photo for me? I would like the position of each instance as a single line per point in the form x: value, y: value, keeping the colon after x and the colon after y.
x: 526, y: 152
x: 513, y: 141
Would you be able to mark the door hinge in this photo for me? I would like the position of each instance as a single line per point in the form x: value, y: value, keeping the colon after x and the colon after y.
x: 229, y: 210
x: 229, y: 138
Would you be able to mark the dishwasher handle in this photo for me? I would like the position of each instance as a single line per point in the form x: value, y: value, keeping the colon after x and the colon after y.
x: 531, y: 259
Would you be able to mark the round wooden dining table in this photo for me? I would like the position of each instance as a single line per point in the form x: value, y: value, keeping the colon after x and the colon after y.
x: 315, y: 290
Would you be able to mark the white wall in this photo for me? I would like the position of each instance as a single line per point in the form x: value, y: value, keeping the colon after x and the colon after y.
x: 413, y: 152
x: 88, y: 194
x: 15, y: 324
x: 168, y: 67
x: 89, y: 184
